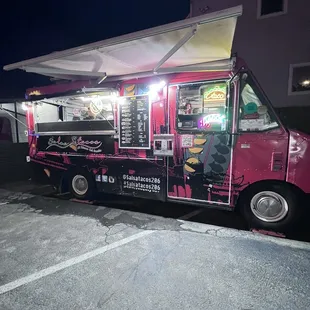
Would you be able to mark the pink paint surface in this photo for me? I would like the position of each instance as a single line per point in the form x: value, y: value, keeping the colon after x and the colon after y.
x: 299, y: 160
x: 254, y: 161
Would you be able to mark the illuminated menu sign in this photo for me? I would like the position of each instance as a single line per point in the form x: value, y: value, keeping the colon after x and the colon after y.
x: 213, y: 94
x: 134, y: 122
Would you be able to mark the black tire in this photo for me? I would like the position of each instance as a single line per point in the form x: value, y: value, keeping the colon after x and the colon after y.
x: 79, y: 192
x: 284, y: 221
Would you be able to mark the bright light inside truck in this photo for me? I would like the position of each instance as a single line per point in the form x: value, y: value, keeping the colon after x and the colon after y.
x: 305, y: 83
x: 121, y: 100
x: 114, y: 95
x: 24, y: 106
x: 157, y: 87
x: 154, y: 89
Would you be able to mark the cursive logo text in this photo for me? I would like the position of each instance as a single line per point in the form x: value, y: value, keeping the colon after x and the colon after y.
x: 76, y: 143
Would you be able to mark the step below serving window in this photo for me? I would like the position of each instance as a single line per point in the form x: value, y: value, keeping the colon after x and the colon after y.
x: 202, y: 107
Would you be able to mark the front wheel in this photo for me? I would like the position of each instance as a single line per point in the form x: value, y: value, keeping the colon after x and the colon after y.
x: 82, y: 186
x: 273, y: 207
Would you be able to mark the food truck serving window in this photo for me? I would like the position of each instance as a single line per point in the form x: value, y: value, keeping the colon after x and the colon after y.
x: 202, y: 107
x: 76, y: 113
x: 96, y: 108
x: 75, y: 109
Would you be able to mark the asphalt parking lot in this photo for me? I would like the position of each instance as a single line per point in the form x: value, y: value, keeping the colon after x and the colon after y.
x: 58, y: 254
x: 167, y: 210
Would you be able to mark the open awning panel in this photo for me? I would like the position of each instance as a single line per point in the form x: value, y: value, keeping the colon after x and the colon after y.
x: 194, y: 41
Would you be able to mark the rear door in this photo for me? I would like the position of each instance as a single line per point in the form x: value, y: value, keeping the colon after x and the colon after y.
x: 200, y: 169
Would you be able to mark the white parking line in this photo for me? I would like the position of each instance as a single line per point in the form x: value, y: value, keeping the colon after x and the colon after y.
x: 191, y: 214
x: 70, y: 262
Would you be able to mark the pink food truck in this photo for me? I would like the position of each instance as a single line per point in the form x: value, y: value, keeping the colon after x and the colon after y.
x: 167, y: 114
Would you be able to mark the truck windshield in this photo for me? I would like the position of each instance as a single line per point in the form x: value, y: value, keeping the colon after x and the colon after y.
x: 202, y: 106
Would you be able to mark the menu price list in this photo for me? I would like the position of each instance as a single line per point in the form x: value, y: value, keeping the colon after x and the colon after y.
x: 134, y: 118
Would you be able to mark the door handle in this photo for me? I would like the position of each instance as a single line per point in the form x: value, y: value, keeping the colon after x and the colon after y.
x: 231, y: 141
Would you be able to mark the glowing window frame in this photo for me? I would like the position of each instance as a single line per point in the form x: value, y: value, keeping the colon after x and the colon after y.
x: 206, y: 82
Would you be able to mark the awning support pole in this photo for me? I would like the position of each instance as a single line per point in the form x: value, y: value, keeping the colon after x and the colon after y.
x: 100, y: 80
x: 42, y: 70
x: 186, y: 38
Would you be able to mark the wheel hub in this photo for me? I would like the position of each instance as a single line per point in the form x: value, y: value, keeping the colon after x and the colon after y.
x: 80, y: 184
x: 269, y: 206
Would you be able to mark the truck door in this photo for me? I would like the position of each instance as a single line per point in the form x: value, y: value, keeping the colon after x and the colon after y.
x: 260, y: 152
x: 200, y: 169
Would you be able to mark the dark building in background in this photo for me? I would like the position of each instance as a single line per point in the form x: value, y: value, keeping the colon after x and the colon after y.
x: 273, y: 37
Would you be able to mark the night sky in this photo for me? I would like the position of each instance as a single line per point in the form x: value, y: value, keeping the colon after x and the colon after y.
x: 34, y: 28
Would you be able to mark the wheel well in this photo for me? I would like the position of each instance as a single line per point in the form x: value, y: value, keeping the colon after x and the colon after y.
x: 64, y: 181
x: 265, y: 183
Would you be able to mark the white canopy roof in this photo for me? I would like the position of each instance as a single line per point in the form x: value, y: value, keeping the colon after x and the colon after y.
x: 202, y: 43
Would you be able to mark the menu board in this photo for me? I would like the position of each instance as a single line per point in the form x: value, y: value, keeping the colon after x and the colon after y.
x: 134, y: 123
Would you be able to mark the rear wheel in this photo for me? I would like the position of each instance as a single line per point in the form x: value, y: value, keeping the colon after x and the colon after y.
x: 271, y: 207
x: 82, y: 186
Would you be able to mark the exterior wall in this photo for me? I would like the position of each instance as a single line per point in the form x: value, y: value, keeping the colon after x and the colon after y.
x: 13, y: 151
x: 13, y: 165
x: 9, y: 113
x: 295, y: 118
x: 269, y: 45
